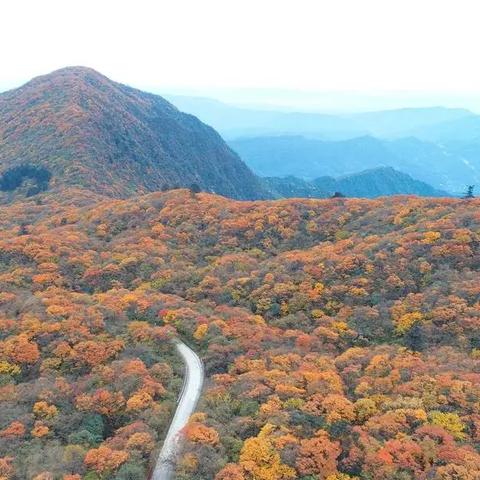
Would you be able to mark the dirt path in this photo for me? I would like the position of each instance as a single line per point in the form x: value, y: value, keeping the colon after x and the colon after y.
x: 192, y: 387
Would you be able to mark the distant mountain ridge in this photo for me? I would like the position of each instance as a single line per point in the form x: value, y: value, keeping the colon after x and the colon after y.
x: 447, y: 168
x: 407, y: 122
x: 235, y: 122
x: 464, y: 129
x: 371, y: 183
x: 89, y: 131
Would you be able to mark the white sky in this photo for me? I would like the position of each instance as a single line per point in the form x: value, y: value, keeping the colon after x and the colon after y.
x: 360, y: 45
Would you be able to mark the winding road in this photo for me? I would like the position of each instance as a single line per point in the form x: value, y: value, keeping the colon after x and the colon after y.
x: 192, y: 387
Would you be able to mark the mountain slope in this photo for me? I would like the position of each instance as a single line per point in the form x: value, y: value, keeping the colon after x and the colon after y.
x: 371, y: 183
x: 377, y: 182
x: 89, y: 131
x: 447, y: 168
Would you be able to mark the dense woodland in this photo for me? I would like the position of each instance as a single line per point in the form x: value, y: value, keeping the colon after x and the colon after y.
x: 340, y: 337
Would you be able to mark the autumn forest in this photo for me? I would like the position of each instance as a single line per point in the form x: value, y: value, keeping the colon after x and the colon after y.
x: 340, y: 337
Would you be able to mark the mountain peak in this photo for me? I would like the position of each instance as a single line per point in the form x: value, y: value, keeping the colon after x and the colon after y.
x: 74, y: 70
x: 86, y: 130
x: 69, y: 77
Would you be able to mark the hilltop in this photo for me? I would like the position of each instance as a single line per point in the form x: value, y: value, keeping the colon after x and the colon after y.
x: 371, y: 183
x: 75, y: 127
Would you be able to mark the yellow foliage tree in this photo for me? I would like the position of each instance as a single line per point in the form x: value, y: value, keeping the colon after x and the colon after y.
x: 450, y: 422
x: 139, y: 401
x: 431, y: 237
x: 7, y: 368
x: 261, y: 461
x: 44, y: 410
x: 404, y: 323
x: 201, y: 331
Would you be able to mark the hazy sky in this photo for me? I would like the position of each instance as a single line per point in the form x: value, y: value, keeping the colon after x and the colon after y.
x: 356, y: 45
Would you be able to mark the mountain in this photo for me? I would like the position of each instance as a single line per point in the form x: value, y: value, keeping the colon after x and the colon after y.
x: 444, y: 167
x: 310, y: 158
x: 466, y: 129
x: 235, y: 122
x: 377, y: 182
x: 78, y: 128
x: 372, y: 183
x: 440, y: 165
x: 408, y: 121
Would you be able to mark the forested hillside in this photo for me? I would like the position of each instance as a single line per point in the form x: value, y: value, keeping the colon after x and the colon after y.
x: 340, y: 337
x: 376, y: 182
x: 82, y: 129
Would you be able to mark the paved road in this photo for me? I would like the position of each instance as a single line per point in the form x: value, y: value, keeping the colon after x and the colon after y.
x: 192, y: 387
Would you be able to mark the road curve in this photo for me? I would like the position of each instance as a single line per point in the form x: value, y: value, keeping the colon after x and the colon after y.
x: 192, y: 387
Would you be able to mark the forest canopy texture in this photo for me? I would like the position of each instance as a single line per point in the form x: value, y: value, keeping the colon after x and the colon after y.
x: 340, y: 337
